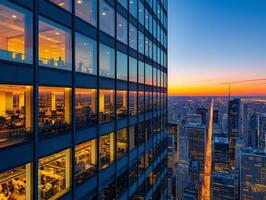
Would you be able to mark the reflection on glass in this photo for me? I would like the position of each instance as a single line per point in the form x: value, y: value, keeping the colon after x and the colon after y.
x: 141, y: 42
x: 121, y: 28
x: 85, y: 107
x: 15, y: 112
x: 107, y: 61
x: 148, y: 74
x: 86, y: 10
x: 121, y: 142
x: 54, y: 45
x: 86, y: 54
x: 106, y: 103
x: 141, y: 72
x: 65, y: 4
x: 16, y: 183
x: 133, y: 37
x: 121, y: 103
x: 121, y: 66
x: 107, y: 18
x: 106, y: 150
x: 148, y: 101
x: 54, y: 175
x: 141, y: 101
x: 54, y: 109
x: 124, y: 3
x: 132, y: 137
x: 133, y: 8
x: 133, y: 70
x: 15, y: 33
x: 133, y: 103
x: 141, y: 13
x: 86, y: 160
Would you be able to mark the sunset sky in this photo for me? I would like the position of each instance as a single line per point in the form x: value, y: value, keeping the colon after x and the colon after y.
x: 213, y: 42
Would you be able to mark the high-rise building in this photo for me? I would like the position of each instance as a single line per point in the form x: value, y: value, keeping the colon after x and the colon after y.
x: 182, y: 178
x: 224, y: 186
x: 253, y: 130
x: 252, y: 174
x: 83, y: 99
x: 245, y: 123
x: 220, y: 153
x: 215, y: 116
x: 233, y: 128
x: 191, y: 192
x: 262, y: 132
x: 203, y: 113
x: 196, y: 134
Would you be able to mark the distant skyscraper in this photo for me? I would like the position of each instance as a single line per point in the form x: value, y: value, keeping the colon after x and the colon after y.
x: 203, y: 113
x: 182, y: 178
x: 244, y: 124
x: 225, y: 123
x: 196, y: 143
x: 193, y: 118
x: 194, y: 171
x: 262, y: 132
x: 224, y: 186
x: 191, y: 192
x: 215, y: 116
x: 253, y: 130
x: 183, y: 145
x: 233, y: 128
x: 220, y: 153
x: 252, y: 174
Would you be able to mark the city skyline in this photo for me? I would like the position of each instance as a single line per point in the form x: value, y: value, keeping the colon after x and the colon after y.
x: 216, y: 42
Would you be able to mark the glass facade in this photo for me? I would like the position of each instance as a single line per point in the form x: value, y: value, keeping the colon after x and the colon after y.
x: 81, y: 98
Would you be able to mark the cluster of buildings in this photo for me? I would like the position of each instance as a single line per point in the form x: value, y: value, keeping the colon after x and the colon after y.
x: 238, y: 148
x: 83, y: 99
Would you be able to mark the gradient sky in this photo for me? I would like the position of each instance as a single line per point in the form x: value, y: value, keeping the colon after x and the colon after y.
x: 211, y: 42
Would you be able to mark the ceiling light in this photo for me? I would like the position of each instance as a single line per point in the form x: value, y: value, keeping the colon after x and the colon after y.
x: 79, y: 1
x: 57, y: 33
x: 14, y: 16
x: 103, y: 13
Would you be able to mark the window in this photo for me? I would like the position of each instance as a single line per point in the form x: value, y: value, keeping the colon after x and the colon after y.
x: 133, y: 8
x: 141, y: 72
x: 107, y: 18
x: 154, y: 81
x: 133, y: 69
x: 87, y: 10
x: 54, y: 45
x: 141, y: 133
x: 150, y: 23
x: 146, y: 19
x: 54, y: 109
x: 121, y: 101
x: 106, y: 103
x: 86, y: 54
x: 85, y: 107
x: 121, y: 65
x: 133, y: 175
x: 124, y: 3
x: 133, y: 97
x: 54, y: 175
x: 106, y: 150
x: 148, y: 101
x: 122, y: 183
x: 141, y: 101
x: 16, y: 183
x: 146, y: 46
x: 133, y: 37
x: 141, y: 13
x: 65, y: 4
x: 85, y: 160
x: 107, y: 61
x: 132, y: 137
x: 15, y: 33
x: 15, y: 112
x: 148, y: 74
x: 121, y: 142
x: 150, y: 49
x: 121, y: 28
x: 141, y: 42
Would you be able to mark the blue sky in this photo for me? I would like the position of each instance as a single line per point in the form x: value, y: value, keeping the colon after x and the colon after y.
x: 224, y: 40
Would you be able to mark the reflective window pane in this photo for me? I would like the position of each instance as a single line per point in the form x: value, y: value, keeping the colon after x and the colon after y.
x: 121, y: 103
x: 54, y: 109
x: 65, y: 4
x: 133, y: 69
x: 85, y: 160
x: 54, y: 175
x: 140, y: 101
x: 121, y: 28
x: 121, y: 142
x: 141, y: 13
x: 87, y: 10
x: 148, y: 74
x: 124, y: 3
x: 121, y: 65
x: 141, y: 72
x: 15, y: 33
x: 107, y: 147
x: 141, y: 42
x: 106, y: 103
x: 107, y: 18
x: 86, y: 54
x: 15, y: 113
x: 133, y: 37
x: 133, y: 98
x: 85, y: 107
x: 107, y: 61
x: 54, y: 45
x: 133, y: 8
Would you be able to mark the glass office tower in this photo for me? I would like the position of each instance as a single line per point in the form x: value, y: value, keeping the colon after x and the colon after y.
x: 83, y: 99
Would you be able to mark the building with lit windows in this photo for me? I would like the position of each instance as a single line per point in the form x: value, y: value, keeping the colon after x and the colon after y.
x: 252, y: 174
x: 83, y: 99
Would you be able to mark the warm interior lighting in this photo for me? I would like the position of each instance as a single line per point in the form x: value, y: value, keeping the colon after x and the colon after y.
x: 106, y: 150
x: 106, y: 103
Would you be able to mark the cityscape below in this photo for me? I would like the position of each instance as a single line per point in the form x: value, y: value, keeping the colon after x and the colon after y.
x: 217, y: 148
